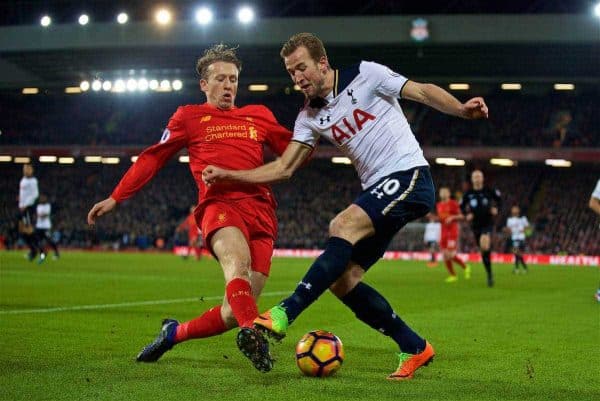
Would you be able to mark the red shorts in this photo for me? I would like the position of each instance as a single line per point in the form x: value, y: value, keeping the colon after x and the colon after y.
x: 448, y: 242
x: 256, y: 220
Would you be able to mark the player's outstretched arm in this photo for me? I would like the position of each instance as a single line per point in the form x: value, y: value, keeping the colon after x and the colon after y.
x: 281, y: 169
x: 595, y: 205
x: 100, y: 209
x: 436, y: 97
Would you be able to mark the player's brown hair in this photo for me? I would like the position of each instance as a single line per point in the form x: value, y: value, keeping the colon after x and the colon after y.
x: 219, y: 52
x: 312, y: 43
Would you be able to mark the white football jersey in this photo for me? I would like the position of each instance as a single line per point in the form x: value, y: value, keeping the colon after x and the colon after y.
x: 433, y: 230
x: 517, y: 226
x: 42, y: 220
x: 28, y: 191
x: 364, y: 120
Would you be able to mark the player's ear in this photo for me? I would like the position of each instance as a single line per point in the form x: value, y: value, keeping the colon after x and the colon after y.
x: 323, y: 64
x: 203, y: 85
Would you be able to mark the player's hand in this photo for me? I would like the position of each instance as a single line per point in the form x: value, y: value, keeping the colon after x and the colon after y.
x: 494, y: 211
x: 474, y: 109
x: 470, y: 217
x: 212, y: 174
x: 99, y: 209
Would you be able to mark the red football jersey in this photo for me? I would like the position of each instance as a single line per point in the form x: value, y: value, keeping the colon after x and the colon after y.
x: 231, y: 139
x: 445, y: 210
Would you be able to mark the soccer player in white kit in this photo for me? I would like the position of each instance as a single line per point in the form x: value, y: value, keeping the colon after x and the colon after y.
x: 28, y: 194
x: 357, y: 110
x: 43, y: 225
x: 595, y: 206
x: 516, y: 225
x: 431, y: 237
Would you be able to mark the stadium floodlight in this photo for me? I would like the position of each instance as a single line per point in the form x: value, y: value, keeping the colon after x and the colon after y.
x: 92, y: 159
x: 558, y: 163
x: 110, y: 160
x: 163, y: 16
x: 30, y: 91
x: 341, y: 160
x: 66, y: 160
x: 297, y: 88
x: 177, y: 84
x: 245, y: 15
x: 511, y: 87
x: 48, y: 159
x: 258, y: 87
x: 119, y: 86
x: 142, y: 84
x: 564, y: 87
x: 459, y: 87
x: 45, y: 21
x: 597, y: 10
x: 106, y: 86
x: 22, y: 159
x: 5, y: 158
x: 132, y: 85
x: 503, y: 162
x: 73, y: 89
x: 122, y: 18
x: 153, y: 84
x: 96, y: 85
x: 83, y: 19
x: 204, y: 16
x: 134, y: 159
x: 165, y: 85
x: 84, y: 86
x: 184, y: 159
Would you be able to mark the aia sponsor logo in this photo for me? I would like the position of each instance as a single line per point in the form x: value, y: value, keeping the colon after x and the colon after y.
x: 350, y: 126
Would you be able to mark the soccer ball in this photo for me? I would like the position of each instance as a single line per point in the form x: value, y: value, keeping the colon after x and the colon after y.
x: 319, y: 353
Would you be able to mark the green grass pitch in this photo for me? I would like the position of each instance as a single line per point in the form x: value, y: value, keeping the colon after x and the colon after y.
x: 70, y: 330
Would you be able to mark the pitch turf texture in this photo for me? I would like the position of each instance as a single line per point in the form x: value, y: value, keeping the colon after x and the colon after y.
x: 530, y: 337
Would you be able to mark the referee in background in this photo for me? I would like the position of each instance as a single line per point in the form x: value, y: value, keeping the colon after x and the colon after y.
x: 480, y: 205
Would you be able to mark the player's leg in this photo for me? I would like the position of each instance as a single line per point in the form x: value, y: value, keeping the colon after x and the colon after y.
x: 50, y: 241
x: 484, y: 246
x: 452, y: 278
x: 345, y: 229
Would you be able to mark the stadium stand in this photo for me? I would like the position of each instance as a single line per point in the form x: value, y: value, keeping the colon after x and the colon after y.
x: 555, y: 200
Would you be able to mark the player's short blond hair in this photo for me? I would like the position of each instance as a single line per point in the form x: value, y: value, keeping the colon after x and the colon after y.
x: 219, y: 52
x: 312, y: 43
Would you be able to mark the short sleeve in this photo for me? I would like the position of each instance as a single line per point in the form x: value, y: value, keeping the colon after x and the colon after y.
x: 303, y: 133
x: 596, y: 193
x: 385, y: 81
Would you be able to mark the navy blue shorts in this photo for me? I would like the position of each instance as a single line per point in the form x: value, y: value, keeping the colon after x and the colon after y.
x: 391, y: 203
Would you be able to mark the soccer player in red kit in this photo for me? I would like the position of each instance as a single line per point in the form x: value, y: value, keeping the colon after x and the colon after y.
x: 237, y: 221
x: 193, y: 232
x: 449, y: 213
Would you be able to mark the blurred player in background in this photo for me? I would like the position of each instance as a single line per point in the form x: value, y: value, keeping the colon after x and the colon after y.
x: 357, y: 110
x: 516, y: 226
x: 194, y: 244
x: 238, y: 222
x: 28, y: 194
x: 448, y: 211
x: 431, y: 237
x: 43, y: 226
x: 595, y: 206
x: 480, y: 205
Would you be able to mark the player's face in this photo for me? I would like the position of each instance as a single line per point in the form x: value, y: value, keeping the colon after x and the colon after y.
x: 27, y: 170
x: 477, y: 179
x: 307, y: 73
x: 515, y: 211
x: 444, y: 194
x: 222, y: 84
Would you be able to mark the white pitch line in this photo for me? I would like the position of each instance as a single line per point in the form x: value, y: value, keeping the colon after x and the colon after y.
x: 126, y: 304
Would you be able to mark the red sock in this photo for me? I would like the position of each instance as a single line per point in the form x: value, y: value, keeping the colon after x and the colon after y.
x: 243, y: 305
x: 459, y: 261
x: 449, y: 267
x: 208, y: 324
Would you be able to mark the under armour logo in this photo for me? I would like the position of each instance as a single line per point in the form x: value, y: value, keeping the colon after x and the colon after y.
x: 323, y: 119
x: 308, y: 286
x: 350, y: 92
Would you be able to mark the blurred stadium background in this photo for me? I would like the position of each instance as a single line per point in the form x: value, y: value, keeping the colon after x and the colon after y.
x: 81, y: 96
